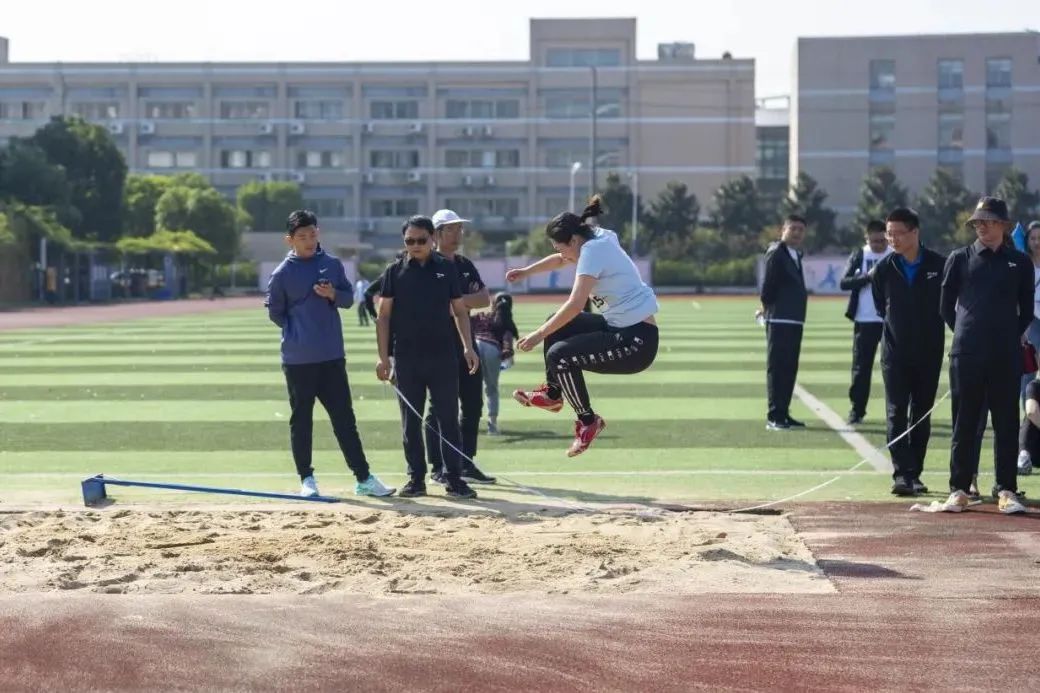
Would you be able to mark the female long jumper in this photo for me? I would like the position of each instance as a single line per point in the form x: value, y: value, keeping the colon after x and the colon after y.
x: 622, y: 339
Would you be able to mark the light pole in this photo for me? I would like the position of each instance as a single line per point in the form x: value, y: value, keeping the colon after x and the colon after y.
x: 575, y: 167
x: 635, y: 211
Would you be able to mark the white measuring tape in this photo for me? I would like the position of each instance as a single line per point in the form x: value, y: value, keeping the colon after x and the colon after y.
x: 656, y: 511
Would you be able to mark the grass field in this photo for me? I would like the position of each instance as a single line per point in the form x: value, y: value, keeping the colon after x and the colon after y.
x: 202, y: 399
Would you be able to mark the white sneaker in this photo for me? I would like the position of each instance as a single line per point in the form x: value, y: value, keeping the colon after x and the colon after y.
x: 309, y: 488
x: 957, y: 502
x: 1025, y: 463
x: 372, y: 486
x: 1008, y: 503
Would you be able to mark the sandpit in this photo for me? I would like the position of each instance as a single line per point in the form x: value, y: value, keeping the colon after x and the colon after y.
x: 381, y: 552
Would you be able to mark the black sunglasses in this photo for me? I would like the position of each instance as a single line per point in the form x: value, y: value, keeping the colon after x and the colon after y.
x: 416, y: 241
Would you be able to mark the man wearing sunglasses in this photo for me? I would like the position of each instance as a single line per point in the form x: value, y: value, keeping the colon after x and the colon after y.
x: 987, y: 300
x: 418, y: 291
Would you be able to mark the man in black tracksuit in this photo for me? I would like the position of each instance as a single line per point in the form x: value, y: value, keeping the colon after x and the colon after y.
x: 449, y: 232
x: 418, y: 292
x: 784, y: 301
x: 866, y: 332
x: 906, y: 287
x: 987, y: 300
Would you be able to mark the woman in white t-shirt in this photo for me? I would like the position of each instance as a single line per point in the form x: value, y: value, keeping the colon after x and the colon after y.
x: 622, y: 339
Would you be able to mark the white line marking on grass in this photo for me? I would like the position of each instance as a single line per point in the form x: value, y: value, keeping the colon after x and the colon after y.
x: 650, y: 472
x: 856, y: 441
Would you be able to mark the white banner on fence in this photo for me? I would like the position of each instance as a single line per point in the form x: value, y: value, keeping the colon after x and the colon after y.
x: 822, y: 273
x: 268, y: 268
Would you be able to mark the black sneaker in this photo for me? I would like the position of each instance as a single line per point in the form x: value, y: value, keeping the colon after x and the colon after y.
x: 413, y: 489
x: 777, y: 426
x: 918, y: 486
x: 902, y: 487
x: 473, y: 475
x: 457, y: 488
x: 794, y: 423
x: 854, y: 419
x: 438, y: 477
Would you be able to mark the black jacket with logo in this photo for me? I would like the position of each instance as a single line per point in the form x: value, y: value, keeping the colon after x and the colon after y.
x: 914, y: 332
x: 783, y: 291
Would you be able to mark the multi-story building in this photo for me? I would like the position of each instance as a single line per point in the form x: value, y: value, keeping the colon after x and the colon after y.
x: 970, y: 103
x: 372, y: 143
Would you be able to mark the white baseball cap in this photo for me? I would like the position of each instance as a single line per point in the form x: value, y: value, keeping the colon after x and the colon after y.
x: 445, y: 216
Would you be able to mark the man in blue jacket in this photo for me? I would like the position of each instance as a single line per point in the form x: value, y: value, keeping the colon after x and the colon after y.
x: 304, y: 296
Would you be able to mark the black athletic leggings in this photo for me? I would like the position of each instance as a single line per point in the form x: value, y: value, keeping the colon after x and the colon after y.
x: 587, y: 343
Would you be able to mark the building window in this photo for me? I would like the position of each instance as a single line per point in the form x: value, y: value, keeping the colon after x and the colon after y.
x: 479, y: 208
x: 320, y: 159
x: 772, y: 155
x: 482, y: 108
x: 393, y: 208
x: 244, y: 110
x: 951, y: 74
x: 576, y: 105
x: 998, y: 72
x: 555, y: 205
x: 242, y: 158
x: 23, y: 110
x: 326, y: 207
x: 583, y: 57
x: 318, y: 110
x: 96, y: 110
x: 882, y: 129
x: 882, y: 80
x: 170, y: 110
x: 998, y: 132
x: 476, y: 158
x: 394, y: 110
x: 951, y: 131
x: 171, y: 159
x: 394, y: 158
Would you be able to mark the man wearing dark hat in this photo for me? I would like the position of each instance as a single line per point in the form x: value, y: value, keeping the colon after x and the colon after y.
x: 987, y: 300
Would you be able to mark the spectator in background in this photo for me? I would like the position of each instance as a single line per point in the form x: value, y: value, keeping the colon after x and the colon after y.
x: 784, y: 302
x: 360, y: 286
x: 495, y: 333
x: 867, y: 324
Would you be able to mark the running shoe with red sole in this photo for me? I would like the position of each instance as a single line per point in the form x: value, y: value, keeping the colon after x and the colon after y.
x: 584, y: 435
x: 538, y: 398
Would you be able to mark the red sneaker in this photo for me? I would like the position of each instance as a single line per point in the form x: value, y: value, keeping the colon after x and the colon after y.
x: 539, y: 398
x: 584, y: 435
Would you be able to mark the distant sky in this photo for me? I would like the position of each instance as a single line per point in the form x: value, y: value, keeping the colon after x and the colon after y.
x: 214, y: 30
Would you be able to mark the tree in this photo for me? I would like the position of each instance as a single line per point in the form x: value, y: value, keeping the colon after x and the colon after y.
x: 939, y: 204
x: 1023, y: 203
x: 95, y: 170
x: 879, y: 194
x: 267, y: 205
x: 671, y: 219
x: 807, y: 198
x: 739, y: 213
x: 617, y: 203
x: 140, y: 196
x: 204, y: 211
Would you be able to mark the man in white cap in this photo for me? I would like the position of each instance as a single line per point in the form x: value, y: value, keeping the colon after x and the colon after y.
x: 448, y: 236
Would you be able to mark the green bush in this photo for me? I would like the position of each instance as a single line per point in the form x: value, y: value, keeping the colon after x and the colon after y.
x: 737, y: 272
x: 370, y: 269
x: 246, y: 275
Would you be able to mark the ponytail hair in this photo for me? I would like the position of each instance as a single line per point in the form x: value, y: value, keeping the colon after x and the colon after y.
x: 565, y: 226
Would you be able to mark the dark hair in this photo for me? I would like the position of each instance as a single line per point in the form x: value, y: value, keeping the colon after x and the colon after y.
x: 904, y: 215
x: 795, y: 219
x: 419, y: 222
x: 502, y: 315
x: 299, y: 219
x: 564, y: 227
x: 875, y: 226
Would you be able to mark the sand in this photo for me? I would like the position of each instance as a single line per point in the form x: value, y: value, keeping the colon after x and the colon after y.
x: 381, y: 552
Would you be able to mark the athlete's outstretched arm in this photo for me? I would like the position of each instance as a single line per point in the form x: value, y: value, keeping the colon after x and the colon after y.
x: 546, y: 264
x: 575, y: 303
